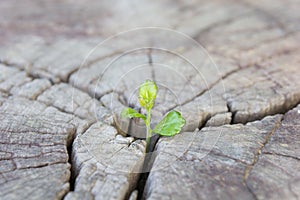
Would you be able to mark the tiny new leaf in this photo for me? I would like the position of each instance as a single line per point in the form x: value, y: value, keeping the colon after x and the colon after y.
x: 147, y: 94
x: 131, y: 113
x: 170, y: 125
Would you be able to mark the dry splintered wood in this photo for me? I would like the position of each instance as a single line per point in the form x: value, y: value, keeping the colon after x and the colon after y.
x: 230, y: 67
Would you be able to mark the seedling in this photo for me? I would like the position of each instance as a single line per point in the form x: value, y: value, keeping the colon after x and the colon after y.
x: 170, y: 125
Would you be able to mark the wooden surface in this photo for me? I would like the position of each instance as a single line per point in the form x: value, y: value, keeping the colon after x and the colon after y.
x: 68, y: 68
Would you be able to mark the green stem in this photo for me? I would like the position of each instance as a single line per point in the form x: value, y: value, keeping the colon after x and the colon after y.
x: 149, y: 131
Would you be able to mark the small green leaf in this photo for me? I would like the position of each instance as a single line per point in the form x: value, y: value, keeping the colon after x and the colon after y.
x: 147, y: 94
x: 170, y: 125
x: 131, y: 113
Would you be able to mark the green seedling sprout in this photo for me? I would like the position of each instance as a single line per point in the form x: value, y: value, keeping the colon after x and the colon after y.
x: 170, y: 125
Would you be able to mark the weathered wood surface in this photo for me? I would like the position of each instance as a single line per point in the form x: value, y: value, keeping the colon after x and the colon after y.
x: 60, y: 98
x: 259, y: 160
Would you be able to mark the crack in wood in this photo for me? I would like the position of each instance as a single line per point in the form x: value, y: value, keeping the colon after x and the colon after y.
x: 258, y: 152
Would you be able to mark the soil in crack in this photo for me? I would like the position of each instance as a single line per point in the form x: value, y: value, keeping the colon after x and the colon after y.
x: 148, y: 162
x: 72, y: 176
